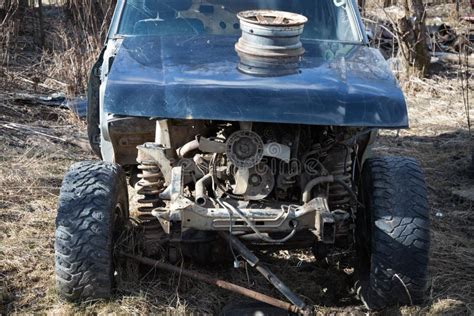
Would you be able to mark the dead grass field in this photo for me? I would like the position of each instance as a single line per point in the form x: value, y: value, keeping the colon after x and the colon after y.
x: 31, y: 170
x: 39, y: 143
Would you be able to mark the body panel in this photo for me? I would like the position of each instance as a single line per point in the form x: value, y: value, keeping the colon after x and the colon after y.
x: 197, y: 78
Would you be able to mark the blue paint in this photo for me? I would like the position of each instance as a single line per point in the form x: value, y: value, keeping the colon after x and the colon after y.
x: 196, y: 77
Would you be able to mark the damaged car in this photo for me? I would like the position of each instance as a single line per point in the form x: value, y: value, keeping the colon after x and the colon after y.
x: 244, y: 125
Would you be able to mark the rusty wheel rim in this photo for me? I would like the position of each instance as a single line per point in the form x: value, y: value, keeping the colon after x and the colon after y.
x: 272, y: 18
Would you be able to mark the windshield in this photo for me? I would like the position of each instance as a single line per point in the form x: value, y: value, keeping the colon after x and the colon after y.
x: 327, y: 19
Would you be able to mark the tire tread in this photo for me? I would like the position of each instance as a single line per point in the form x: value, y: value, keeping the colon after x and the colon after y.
x: 84, y: 227
x: 400, y: 233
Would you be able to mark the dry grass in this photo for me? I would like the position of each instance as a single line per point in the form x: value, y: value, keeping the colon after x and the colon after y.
x: 74, y: 32
x: 439, y: 138
x: 31, y: 170
x: 32, y: 167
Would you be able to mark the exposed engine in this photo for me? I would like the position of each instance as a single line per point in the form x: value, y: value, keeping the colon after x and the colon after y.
x: 251, y: 177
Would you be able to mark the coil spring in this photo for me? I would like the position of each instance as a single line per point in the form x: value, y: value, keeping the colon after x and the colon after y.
x: 150, y: 186
x: 339, y: 164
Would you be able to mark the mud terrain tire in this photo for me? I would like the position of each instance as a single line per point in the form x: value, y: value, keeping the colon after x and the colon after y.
x: 393, y: 233
x: 93, y: 208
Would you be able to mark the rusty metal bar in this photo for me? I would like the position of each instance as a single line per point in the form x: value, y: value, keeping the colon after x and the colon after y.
x: 236, y: 244
x: 219, y: 283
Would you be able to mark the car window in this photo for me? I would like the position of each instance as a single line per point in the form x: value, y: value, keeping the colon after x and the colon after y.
x: 327, y: 19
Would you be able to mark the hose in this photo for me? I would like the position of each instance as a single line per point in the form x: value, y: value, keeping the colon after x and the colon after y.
x: 201, y: 197
x: 328, y: 179
x: 187, y: 148
x: 311, y: 184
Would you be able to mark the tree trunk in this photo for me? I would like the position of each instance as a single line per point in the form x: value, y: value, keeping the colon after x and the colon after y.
x: 415, y: 58
x: 41, y: 23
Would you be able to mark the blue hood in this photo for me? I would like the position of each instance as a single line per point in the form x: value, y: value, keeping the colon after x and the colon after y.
x: 197, y: 78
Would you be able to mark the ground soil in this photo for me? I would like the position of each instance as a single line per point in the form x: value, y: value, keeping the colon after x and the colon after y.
x: 41, y: 144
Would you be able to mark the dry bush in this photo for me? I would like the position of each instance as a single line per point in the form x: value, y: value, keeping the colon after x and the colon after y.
x: 73, y: 30
x: 89, y: 20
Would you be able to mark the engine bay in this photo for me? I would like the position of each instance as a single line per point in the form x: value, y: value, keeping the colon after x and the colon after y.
x: 270, y: 180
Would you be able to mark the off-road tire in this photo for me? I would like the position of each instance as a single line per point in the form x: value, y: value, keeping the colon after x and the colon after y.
x: 393, y: 233
x: 93, y: 208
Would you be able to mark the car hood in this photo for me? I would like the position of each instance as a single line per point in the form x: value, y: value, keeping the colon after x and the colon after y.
x: 197, y: 78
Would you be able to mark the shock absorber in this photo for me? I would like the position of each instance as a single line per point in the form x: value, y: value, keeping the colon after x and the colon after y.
x: 339, y: 164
